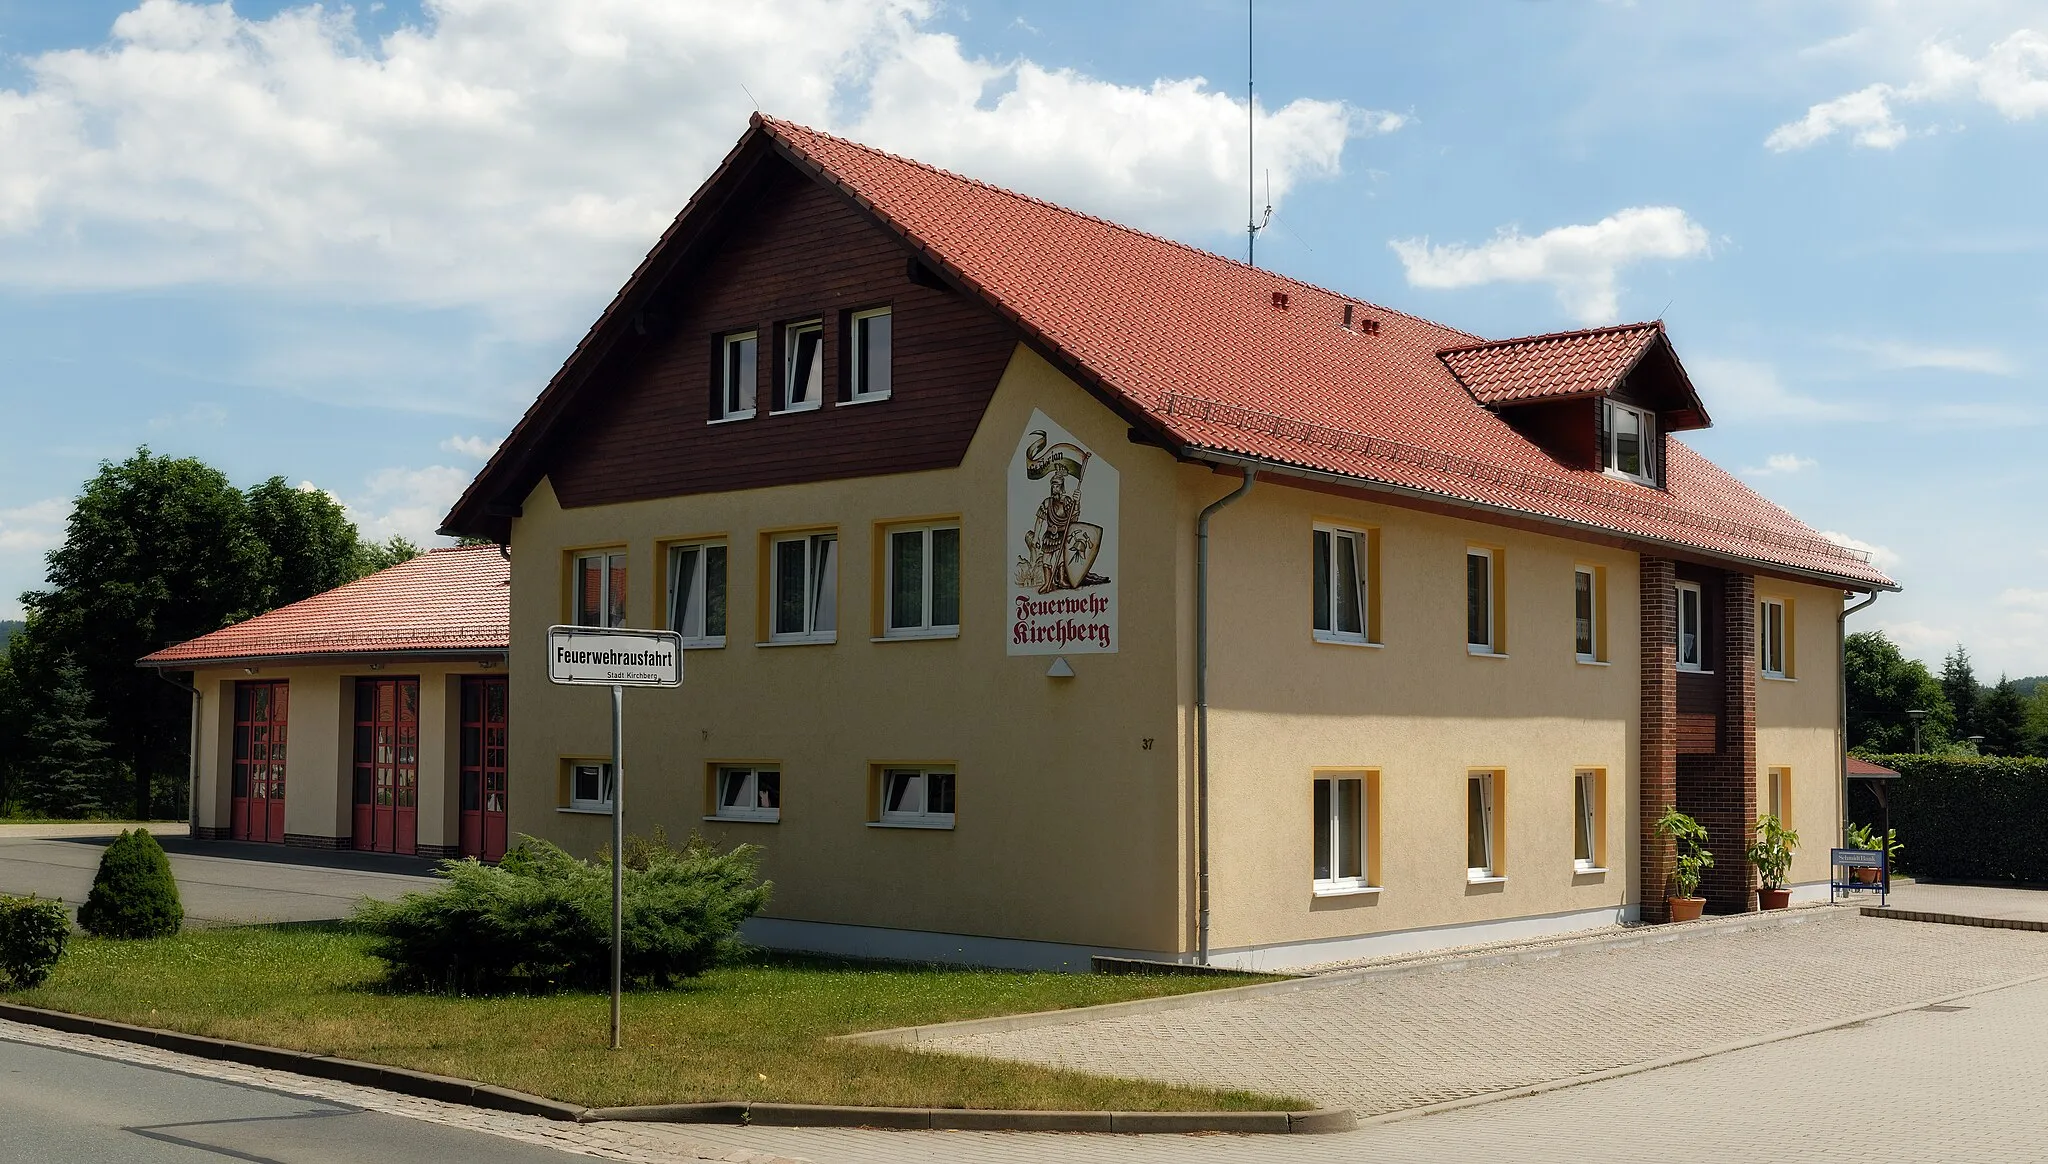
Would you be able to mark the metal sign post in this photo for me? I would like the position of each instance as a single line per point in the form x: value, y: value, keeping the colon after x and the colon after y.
x: 617, y: 658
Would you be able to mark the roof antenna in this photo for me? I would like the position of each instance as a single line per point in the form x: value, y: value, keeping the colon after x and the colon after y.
x: 1253, y: 223
x: 750, y: 96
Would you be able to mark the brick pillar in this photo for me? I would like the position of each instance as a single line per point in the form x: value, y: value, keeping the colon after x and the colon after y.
x: 1657, y: 787
x: 1734, y: 886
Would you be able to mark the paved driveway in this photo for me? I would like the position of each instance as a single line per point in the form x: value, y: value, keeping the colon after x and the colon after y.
x: 1386, y: 1044
x: 221, y: 883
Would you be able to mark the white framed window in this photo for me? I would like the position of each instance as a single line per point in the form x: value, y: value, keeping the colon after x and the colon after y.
x: 1586, y: 820
x: 738, y: 373
x: 1770, y: 624
x: 1480, y: 794
x: 696, y: 593
x: 1692, y: 621
x: 923, y: 582
x: 748, y: 794
x: 1341, y: 831
x: 1586, y: 614
x: 601, y: 589
x: 1631, y: 442
x: 1342, y: 559
x: 870, y: 332
x: 590, y: 786
x: 917, y: 797
x: 1481, y: 637
x: 803, y: 366
x: 804, y: 588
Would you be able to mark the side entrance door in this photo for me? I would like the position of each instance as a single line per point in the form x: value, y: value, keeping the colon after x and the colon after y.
x: 483, y: 766
x: 387, y: 765
x: 257, y: 811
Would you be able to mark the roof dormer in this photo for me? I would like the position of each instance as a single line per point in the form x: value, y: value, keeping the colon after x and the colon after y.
x: 1600, y: 399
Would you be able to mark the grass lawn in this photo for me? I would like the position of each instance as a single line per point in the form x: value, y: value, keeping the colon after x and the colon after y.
x: 752, y: 1031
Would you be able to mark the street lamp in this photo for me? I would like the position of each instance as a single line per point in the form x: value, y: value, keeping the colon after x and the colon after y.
x: 1976, y: 742
x: 1916, y: 714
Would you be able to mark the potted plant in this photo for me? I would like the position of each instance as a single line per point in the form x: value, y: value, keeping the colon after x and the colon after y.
x: 1690, y: 839
x: 1771, y: 853
x: 1865, y: 837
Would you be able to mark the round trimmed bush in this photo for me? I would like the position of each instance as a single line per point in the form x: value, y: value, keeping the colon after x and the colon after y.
x: 32, y: 936
x: 134, y: 894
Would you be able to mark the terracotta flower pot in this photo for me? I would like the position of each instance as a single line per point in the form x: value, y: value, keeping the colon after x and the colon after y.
x: 1866, y: 876
x: 1774, y: 898
x: 1685, y: 909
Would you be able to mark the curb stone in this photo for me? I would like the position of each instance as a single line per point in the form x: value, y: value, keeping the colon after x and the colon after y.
x: 484, y: 1095
x: 1954, y: 919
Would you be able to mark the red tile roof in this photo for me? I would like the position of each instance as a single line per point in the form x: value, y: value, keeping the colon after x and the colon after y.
x: 1239, y: 361
x: 1551, y: 367
x: 1858, y: 766
x: 448, y: 601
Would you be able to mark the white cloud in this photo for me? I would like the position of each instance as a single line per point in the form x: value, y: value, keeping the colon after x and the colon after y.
x: 2011, y: 78
x: 2025, y: 599
x: 1581, y: 263
x: 1915, y: 637
x: 1896, y: 354
x: 511, y: 153
x: 1883, y: 557
x: 1747, y: 390
x: 409, y: 503
x: 1782, y: 465
x: 35, y: 527
x: 478, y: 447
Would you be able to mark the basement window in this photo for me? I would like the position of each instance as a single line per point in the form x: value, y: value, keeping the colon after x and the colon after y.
x: 753, y: 794
x: 917, y: 797
x: 803, y: 366
x: 590, y: 786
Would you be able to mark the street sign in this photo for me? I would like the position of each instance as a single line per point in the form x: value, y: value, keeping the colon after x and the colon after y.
x: 601, y: 656
x: 614, y: 657
x: 1856, y: 858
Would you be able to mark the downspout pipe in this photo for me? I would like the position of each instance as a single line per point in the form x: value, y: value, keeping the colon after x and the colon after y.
x: 1842, y: 674
x: 192, y: 761
x: 1202, y: 710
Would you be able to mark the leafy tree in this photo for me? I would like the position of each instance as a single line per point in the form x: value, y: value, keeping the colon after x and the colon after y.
x: 1959, y: 683
x: 308, y: 539
x: 157, y: 550
x: 68, y: 771
x: 374, y: 556
x: 2003, y: 721
x: 1883, y: 684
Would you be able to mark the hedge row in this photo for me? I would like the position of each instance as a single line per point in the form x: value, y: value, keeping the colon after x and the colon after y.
x: 1965, y: 818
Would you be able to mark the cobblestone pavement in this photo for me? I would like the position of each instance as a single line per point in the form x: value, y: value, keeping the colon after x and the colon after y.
x: 1385, y: 1044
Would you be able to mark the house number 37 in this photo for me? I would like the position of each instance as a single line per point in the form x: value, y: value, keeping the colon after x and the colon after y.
x: 1145, y: 744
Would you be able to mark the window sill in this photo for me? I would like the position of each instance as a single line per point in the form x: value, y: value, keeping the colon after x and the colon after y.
x: 1618, y: 475
x: 776, y: 819
x: 904, y: 824
x: 917, y: 636
x: 1694, y: 671
x: 823, y: 642
x: 1595, y: 663
x: 1331, y: 640
x: 584, y: 810
x: 717, y: 644
x: 1345, y: 890
x: 812, y: 406
x: 1479, y: 654
x: 1489, y: 880
x: 871, y: 398
x: 1578, y: 869
x: 1777, y: 678
x: 735, y: 417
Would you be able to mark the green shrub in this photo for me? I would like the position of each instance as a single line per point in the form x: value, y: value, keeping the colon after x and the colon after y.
x: 541, y: 919
x: 1965, y: 818
x: 32, y: 937
x: 133, y: 895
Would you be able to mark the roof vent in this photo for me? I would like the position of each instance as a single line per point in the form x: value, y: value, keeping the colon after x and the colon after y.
x: 1279, y: 300
x: 1353, y: 322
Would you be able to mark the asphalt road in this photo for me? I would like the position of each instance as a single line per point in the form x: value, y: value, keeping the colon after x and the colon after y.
x: 61, y: 1106
x: 220, y: 883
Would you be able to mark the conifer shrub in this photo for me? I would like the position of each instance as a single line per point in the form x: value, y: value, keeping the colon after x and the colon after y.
x: 32, y: 936
x: 540, y: 920
x: 133, y: 895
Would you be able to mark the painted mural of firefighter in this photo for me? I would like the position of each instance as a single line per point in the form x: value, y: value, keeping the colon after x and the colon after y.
x: 1059, y: 551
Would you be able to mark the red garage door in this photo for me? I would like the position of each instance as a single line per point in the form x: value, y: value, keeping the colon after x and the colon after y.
x: 257, y: 812
x: 387, y: 764
x: 483, y: 766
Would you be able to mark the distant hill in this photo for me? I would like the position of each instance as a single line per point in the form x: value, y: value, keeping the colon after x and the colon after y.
x: 2029, y: 685
x: 7, y: 630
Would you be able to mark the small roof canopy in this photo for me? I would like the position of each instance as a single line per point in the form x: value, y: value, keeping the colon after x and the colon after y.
x: 1862, y: 769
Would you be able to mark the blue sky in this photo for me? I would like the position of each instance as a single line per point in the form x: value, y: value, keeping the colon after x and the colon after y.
x: 348, y: 245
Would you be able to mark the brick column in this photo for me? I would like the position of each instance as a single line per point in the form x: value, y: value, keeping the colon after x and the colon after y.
x: 1734, y: 882
x: 1657, y: 786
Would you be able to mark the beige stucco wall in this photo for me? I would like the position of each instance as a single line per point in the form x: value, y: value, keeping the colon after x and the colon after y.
x: 1420, y: 710
x: 1066, y: 826
x: 319, y: 745
x: 1797, y: 723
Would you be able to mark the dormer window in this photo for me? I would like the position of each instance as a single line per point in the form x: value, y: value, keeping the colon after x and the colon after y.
x: 1629, y: 442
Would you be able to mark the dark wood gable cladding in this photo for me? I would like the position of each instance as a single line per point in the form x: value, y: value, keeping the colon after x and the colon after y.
x: 795, y: 250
